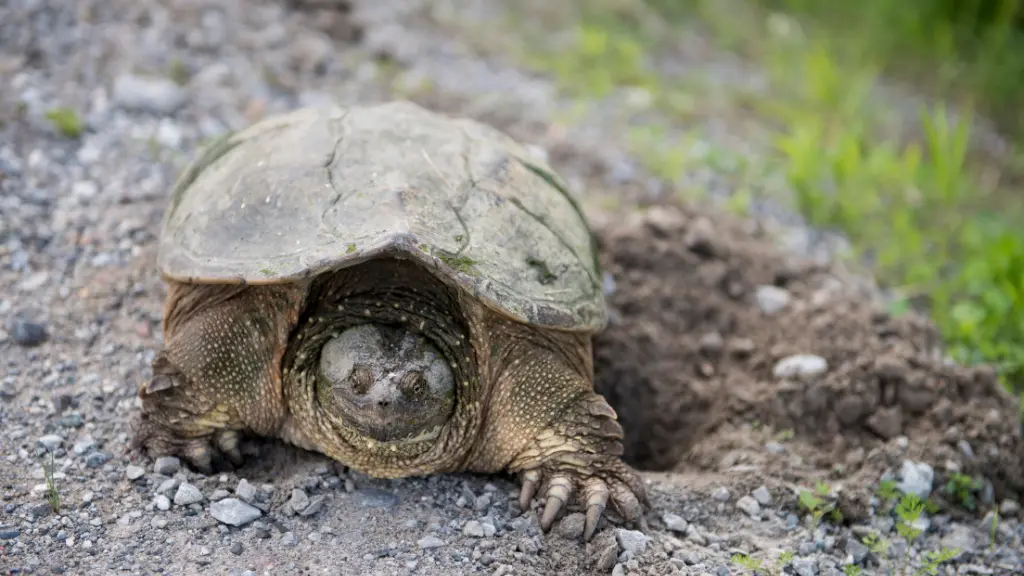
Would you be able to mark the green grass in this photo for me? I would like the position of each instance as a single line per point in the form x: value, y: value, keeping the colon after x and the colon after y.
x: 66, y: 121
x: 939, y: 222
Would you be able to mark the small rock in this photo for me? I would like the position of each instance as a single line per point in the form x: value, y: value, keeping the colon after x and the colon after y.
x: 162, y: 502
x: 236, y: 548
x: 158, y: 522
x: 619, y: 570
x: 771, y: 299
x: 219, y: 494
x: 429, y: 542
x: 84, y: 446
x: 916, y: 478
x: 763, y: 496
x: 9, y: 533
x: 133, y: 472
x: 234, y: 512
x: 51, y: 442
x: 314, y: 506
x: 148, y: 94
x: 857, y: 550
x: 167, y: 465
x: 774, y: 447
x: 474, y: 529
x: 674, y: 522
x: 1009, y: 508
x: 97, y: 459
x: 805, y: 367
x: 298, y: 501
x: 289, y: 539
x: 28, y: 334
x: 245, y: 490
x: 805, y: 567
x: 750, y: 506
x: 721, y: 494
x: 187, y: 494
x: 632, y: 541
x: 572, y: 525
x: 482, y: 502
x: 959, y: 537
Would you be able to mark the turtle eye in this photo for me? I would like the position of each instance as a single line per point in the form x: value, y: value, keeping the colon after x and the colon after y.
x: 361, y: 379
x: 413, y: 385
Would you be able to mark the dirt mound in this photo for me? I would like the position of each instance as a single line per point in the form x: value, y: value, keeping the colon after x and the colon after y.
x: 694, y: 352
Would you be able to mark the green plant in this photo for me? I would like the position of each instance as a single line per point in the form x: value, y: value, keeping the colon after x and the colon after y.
x: 52, y: 494
x: 757, y: 566
x: 66, y: 121
x: 815, y: 504
x: 963, y: 488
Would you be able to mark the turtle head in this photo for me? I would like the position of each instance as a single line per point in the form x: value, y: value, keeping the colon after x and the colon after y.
x: 386, y: 383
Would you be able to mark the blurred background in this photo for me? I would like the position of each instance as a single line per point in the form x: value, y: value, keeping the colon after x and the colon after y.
x: 896, y: 124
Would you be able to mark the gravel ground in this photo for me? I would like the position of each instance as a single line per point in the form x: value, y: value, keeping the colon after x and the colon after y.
x: 80, y: 307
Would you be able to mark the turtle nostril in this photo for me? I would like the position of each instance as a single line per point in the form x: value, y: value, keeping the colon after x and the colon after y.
x: 384, y: 403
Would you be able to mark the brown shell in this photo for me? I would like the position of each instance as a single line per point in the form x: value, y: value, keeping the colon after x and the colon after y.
x: 318, y: 189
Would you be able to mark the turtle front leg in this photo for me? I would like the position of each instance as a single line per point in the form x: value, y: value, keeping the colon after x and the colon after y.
x: 218, y: 373
x: 563, y: 439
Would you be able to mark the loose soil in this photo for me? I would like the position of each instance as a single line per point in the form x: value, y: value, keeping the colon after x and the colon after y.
x: 688, y: 364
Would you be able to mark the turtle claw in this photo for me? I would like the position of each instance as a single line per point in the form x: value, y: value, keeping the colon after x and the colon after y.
x: 621, y: 487
x: 205, y: 454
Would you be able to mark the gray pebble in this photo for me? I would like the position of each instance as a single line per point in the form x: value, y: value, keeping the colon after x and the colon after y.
x: 148, y: 94
x: 805, y: 567
x: 97, y: 459
x: 28, y: 334
x: 674, y: 522
x: 51, y: 442
x: 721, y: 494
x: 474, y: 529
x: 572, y: 525
x: 856, y: 549
x: 158, y: 522
x: 805, y: 367
x: 961, y: 537
x: 376, y: 498
x: 162, y: 502
x: 167, y: 486
x: 245, y: 490
x: 234, y: 512
x: 236, y: 548
x: 289, y: 539
x: 298, y: 501
x: 187, y: 494
x: 133, y: 472
x: 84, y: 446
x: 314, y: 506
x: 763, y: 496
x: 9, y: 533
x: 167, y: 465
x: 619, y: 570
x: 632, y: 541
x: 482, y: 502
x: 771, y: 299
x: 916, y: 478
x: 749, y: 505
x: 219, y: 494
x: 428, y: 542
x: 1009, y: 508
x: 775, y: 447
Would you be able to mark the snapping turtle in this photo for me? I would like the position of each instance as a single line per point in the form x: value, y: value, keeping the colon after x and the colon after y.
x: 405, y: 292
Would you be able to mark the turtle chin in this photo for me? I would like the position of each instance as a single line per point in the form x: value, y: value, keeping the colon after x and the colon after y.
x: 386, y: 384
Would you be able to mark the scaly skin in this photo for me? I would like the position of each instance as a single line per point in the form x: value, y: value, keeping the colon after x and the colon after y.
x: 244, y: 359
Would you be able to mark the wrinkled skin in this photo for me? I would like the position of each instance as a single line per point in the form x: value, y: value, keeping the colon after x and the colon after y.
x: 347, y: 365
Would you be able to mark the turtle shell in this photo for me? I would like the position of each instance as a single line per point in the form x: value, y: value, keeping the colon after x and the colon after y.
x: 318, y: 189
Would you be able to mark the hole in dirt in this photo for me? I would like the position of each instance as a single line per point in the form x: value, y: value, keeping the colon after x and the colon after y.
x: 689, y: 353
